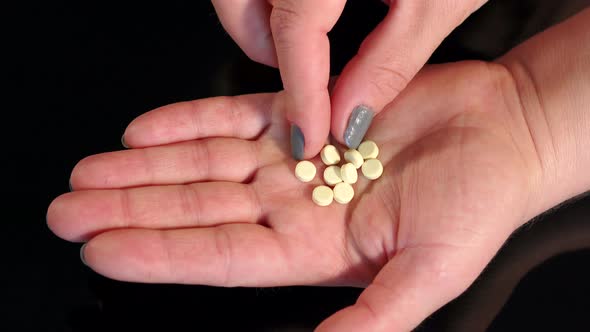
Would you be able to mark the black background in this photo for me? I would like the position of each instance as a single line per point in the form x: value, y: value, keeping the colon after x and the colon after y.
x: 79, y: 72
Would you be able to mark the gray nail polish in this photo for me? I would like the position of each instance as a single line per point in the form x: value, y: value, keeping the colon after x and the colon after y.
x: 358, y: 124
x: 123, y: 142
x: 82, y: 254
x: 297, y: 142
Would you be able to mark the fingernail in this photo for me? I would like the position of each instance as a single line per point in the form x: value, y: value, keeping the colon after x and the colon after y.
x: 70, y: 184
x: 297, y: 142
x: 82, y: 254
x: 358, y: 124
x: 123, y: 142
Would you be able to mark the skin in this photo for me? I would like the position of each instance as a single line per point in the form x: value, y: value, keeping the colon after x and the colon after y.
x: 292, y: 35
x: 207, y: 193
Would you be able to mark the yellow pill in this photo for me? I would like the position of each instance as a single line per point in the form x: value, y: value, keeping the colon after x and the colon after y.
x: 330, y: 155
x: 354, y: 157
x: 343, y: 193
x: 372, y: 169
x: 322, y: 195
x: 348, y: 173
x: 369, y: 150
x: 305, y: 171
x: 332, y: 175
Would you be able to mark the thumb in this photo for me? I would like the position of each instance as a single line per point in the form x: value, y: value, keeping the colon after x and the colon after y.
x: 413, y: 284
x: 247, y: 22
x: 389, y: 58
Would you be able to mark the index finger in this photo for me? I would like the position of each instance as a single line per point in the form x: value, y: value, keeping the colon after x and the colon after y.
x: 299, y: 31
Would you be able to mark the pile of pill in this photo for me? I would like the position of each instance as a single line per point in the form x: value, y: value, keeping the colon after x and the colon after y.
x: 339, y: 179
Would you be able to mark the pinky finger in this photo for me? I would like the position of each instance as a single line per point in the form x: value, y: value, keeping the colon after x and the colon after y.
x: 227, y: 255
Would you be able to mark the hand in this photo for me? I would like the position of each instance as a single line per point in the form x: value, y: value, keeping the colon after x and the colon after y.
x: 293, y: 36
x: 207, y: 195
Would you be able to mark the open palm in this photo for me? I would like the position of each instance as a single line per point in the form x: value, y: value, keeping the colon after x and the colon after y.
x: 207, y: 195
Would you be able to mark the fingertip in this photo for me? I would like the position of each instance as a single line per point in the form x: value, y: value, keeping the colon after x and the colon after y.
x: 262, y: 51
x: 309, y: 119
x: 297, y: 142
x: 50, y: 216
x: 129, y: 137
x: 117, y: 254
x: 57, y: 218
x: 307, y: 146
x: 77, y: 176
x: 84, y: 173
x: 315, y: 134
x: 123, y: 142
x: 82, y: 254
x: 358, y: 124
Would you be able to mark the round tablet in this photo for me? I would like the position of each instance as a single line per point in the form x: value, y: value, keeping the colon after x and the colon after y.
x: 330, y: 155
x: 332, y: 175
x: 369, y: 150
x: 354, y: 157
x: 343, y: 193
x: 372, y: 169
x: 305, y: 171
x: 322, y: 195
x: 348, y: 173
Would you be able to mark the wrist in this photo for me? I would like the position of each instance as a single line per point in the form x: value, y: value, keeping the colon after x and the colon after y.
x: 533, y: 138
x: 550, y: 89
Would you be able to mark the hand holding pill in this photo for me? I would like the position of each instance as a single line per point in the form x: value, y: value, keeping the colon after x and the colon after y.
x: 199, y: 198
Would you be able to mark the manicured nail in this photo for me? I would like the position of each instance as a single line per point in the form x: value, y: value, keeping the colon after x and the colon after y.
x: 82, y: 254
x: 297, y: 142
x: 123, y: 142
x: 358, y: 124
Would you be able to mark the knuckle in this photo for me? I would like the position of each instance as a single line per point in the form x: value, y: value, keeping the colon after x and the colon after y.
x: 201, y: 158
x: 129, y: 214
x: 388, y: 80
x: 458, y: 10
x: 226, y: 112
x: 189, y: 203
x: 284, y: 18
x: 286, y: 6
x: 447, y: 12
x: 369, y: 308
x: 235, y: 118
x: 224, y: 249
